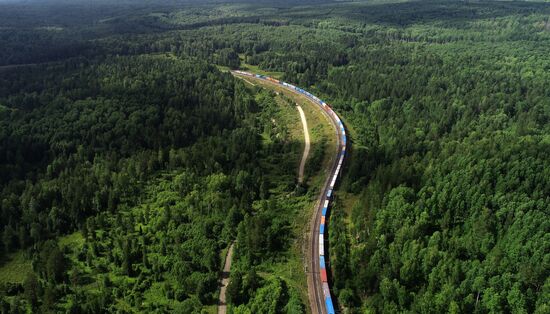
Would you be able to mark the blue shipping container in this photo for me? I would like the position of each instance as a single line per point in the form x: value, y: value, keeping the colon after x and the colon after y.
x: 330, y: 307
x: 322, y: 261
x: 322, y: 229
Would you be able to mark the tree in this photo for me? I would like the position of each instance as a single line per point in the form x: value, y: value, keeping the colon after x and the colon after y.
x: 56, y: 266
x: 191, y: 306
x: 8, y: 238
x: 234, y: 291
x: 32, y: 289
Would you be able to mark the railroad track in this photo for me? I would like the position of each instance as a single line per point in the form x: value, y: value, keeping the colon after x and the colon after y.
x: 320, y: 298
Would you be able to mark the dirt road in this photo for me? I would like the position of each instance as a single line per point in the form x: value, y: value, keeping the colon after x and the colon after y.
x: 307, y: 146
x: 222, y: 305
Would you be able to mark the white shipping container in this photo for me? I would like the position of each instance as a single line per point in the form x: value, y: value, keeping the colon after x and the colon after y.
x: 326, y: 290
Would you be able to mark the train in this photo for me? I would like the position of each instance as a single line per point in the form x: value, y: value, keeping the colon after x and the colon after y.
x: 323, y: 232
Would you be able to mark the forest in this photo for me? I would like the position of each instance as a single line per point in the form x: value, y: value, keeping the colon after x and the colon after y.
x: 130, y: 160
x: 124, y: 178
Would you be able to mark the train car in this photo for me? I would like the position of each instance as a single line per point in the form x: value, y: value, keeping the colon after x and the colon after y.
x: 333, y: 181
x: 325, y: 208
x: 329, y: 194
x: 326, y: 290
x: 244, y: 73
x: 329, y: 305
x: 323, y: 275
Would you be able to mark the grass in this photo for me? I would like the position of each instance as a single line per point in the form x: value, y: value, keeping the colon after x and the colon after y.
x: 74, y: 240
x: 256, y: 69
x: 223, y: 68
x: 15, y: 268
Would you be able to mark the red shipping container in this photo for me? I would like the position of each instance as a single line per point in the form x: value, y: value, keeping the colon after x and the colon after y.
x: 323, y: 275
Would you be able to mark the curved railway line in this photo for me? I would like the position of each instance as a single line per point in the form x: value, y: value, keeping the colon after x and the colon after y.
x: 320, y: 298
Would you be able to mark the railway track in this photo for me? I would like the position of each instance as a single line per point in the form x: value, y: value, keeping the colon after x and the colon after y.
x: 320, y: 298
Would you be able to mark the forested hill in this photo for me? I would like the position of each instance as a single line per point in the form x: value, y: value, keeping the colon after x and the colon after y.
x: 113, y: 110
x: 123, y: 178
x: 82, y: 148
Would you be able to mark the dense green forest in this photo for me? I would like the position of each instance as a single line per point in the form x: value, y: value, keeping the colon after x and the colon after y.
x: 149, y: 163
x: 128, y: 161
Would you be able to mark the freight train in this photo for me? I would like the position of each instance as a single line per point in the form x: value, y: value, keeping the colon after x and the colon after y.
x: 328, y: 196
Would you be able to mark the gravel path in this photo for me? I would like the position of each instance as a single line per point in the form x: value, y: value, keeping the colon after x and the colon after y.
x: 307, y: 146
x: 222, y: 305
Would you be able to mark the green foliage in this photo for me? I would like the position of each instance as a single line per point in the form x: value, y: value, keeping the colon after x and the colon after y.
x: 242, y: 286
x: 273, y: 297
x: 32, y: 290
